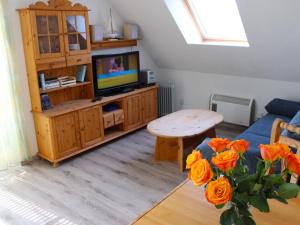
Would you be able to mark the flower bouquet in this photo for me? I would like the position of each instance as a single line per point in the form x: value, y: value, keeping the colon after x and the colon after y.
x: 228, y: 181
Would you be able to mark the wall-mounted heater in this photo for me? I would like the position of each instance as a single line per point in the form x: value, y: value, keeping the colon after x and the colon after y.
x: 166, y: 99
x: 235, y: 110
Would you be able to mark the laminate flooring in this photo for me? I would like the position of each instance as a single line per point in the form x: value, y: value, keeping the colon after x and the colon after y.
x: 111, y: 185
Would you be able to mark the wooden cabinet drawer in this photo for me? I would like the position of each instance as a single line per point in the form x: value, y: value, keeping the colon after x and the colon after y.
x: 50, y: 63
x: 119, y: 116
x: 108, y: 119
x: 78, y: 60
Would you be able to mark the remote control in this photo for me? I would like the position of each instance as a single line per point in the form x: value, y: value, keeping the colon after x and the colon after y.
x: 97, y: 98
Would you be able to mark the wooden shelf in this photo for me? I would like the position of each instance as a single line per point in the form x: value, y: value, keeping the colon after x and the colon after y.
x: 114, y: 44
x: 71, y: 106
x: 62, y: 88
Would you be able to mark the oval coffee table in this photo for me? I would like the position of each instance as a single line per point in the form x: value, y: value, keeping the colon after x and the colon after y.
x: 179, y: 132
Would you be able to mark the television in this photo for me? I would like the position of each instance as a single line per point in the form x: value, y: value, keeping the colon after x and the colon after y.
x: 116, y: 73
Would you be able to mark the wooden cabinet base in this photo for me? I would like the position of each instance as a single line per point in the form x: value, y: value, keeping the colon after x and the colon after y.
x: 108, y: 138
x: 70, y: 129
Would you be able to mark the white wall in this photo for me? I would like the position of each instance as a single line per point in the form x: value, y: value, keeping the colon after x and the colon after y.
x: 99, y: 15
x: 194, y: 88
x: 271, y: 27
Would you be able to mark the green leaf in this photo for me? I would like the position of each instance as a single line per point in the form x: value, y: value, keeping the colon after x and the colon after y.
x: 252, y: 177
x: 260, y: 166
x: 239, y: 170
x: 241, y: 178
x: 248, y: 220
x: 260, y: 202
x: 288, y: 190
x: 244, y: 197
x: 274, y: 179
x: 241, y: 199
x: 227, y: 217
x: 238, y: 221
x: 245, y: 186
x: 244, y: 212
x: 280, y: 199
x: 219, y: 206
x: 257, y: 187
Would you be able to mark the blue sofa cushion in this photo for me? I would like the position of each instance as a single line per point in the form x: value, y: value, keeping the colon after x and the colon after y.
x: 296, y: 122
x: 283, y: 107
x: 263, y: 126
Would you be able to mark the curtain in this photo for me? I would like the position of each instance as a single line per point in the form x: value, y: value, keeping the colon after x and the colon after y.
x: 13, y: 145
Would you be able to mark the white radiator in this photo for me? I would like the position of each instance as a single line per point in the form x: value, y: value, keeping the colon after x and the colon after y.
x: 235, y: 110
x: 166, y: 99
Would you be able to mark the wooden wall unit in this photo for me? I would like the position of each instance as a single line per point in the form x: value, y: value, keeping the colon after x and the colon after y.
x: 56, y: 41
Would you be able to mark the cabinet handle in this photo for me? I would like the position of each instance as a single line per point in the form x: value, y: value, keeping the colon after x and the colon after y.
x: 79, y: 60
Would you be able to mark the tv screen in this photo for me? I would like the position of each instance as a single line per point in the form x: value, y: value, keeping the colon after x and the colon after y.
x: 115, y: 71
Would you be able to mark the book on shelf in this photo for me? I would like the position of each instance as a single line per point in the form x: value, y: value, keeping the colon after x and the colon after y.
x: 52, y: 86
x: 67, y: 80
x: 42, y: 81
x: 81, y: 72
x: 52, y: 83
x: 52, y: 80
x: 46, y: 103
x: 68, y: 85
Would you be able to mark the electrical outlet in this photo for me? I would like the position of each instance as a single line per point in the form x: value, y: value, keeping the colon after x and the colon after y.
x: 181, y: 102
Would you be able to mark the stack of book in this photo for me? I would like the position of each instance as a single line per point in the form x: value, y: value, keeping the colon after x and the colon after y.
x: 52, y: 83
x: 67, y: 81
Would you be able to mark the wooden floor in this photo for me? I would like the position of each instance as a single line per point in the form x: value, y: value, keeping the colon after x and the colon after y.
x: 111, y: 185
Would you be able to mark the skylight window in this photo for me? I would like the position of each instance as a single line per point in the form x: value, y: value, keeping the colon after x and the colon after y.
x: 215, y: 22
x: 218, y: 19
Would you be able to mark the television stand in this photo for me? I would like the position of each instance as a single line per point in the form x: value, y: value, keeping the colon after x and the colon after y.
x: 87, y: 124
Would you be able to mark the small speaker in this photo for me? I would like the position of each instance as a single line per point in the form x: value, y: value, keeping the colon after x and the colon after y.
x: 96, y: 33
x: 131, y: 31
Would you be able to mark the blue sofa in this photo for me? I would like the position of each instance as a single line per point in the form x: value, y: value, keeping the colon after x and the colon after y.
x: 258, y: 133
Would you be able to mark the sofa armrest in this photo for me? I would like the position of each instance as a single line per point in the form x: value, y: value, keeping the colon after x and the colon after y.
x: 276, y: 137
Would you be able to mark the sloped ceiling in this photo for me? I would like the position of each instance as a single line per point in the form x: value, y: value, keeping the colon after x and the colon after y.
x: 272, y: 27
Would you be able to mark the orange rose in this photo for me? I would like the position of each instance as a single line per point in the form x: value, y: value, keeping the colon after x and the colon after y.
x: 284, y: 150
x: 218, y: 144
x: 226, y: 161
x: 192, y: 158
x: 293, y: 163
x: 218, y: 192
x: 240, y: 146
x: 201, y: 172
x: 270, y: 152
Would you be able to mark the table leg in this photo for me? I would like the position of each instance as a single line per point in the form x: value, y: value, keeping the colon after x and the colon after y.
x: 180, y: 157
x: 166, y: 149
x: 211, y: 133
x: 187, y: 145
x: 177, y: 149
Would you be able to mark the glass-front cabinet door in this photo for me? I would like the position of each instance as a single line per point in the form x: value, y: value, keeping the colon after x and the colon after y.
x: 77, y: 39
x: 49, y: 40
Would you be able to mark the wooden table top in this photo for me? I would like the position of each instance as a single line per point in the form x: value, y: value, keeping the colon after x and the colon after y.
x: 186, y: 205
x: 185, y: 123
